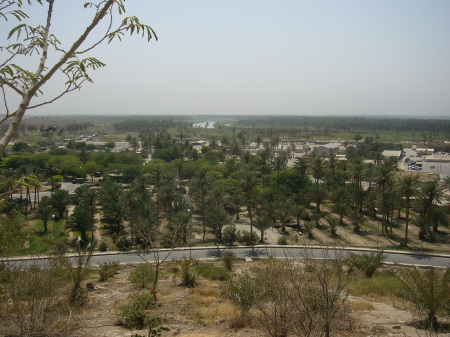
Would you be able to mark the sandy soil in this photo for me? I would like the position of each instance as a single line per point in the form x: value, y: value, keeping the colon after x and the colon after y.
x: 207, y: 317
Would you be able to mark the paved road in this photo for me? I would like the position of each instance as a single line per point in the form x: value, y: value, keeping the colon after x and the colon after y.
x: 264, y: 251
x: 68, y: 186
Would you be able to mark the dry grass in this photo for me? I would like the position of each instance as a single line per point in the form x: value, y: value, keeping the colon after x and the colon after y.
x: 361, y: 306
x: 205, y: 304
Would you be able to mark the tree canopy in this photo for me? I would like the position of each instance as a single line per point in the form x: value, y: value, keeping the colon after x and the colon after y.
x: 20, y: 84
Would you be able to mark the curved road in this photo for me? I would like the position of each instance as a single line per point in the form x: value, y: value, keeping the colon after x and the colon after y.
x: 256, y: 252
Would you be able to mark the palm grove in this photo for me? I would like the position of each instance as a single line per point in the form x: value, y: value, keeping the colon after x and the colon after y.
x: 225, y: 183
x: 143, y: 206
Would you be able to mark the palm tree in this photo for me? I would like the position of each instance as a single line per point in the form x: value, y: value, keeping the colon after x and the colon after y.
x: 299, y: 212
x: 383, y: 179
x: 283, y: 210
x: 262, y: 222
x: 89, y: 199
x: 217, y: 219
x: 333, y: 222
x: 432, y: 195
x: 279, y: 163
x: 427, y: 290
x: 181, y: 226
x: 200, y: 186
x: 81, y: 220
x: 248, y: 182
x: 44, y: 212
x: 84, y: 155
x: 340, y: 208
x: 258, y: 141
x: 129, y: 138
x: 132, y: 198
x: 59, y: 201
x: 52, y: 169
x: 357, y: 220
x: 114, y: 208
x: 409, y: 188
x: 236, y: 200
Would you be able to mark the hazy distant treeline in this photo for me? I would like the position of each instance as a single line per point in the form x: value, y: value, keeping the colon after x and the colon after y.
x: 349, y: 123
x: 138, y: 125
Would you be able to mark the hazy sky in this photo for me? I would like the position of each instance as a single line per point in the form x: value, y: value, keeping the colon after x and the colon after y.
x: 275, y: 57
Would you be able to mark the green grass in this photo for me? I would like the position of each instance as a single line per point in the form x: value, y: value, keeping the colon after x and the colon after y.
x: 382, y: 285
x: 212, y: 272
x: 40, y: 242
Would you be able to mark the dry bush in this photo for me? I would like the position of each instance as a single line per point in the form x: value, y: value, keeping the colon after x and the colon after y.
x: 36, y: 299
x: 304, y: 299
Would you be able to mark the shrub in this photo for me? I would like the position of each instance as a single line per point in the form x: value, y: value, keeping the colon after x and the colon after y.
x: 228, y: 259
x: 103, y: 247
x: 135, y: 314
x: 154, y: 328
x: 122, y: 243
x: 368, y: 264
x: 247, y: 238
x: 230, y: 235
x: 212, y: 272
x: 188, y: 277
x: 35, y: 299
x: 107, y: 270
x: 283, y: 240
x: 243, y: 292
x: 142, y: 275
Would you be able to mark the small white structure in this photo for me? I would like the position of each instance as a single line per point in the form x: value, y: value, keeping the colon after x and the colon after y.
x: 392, y: 153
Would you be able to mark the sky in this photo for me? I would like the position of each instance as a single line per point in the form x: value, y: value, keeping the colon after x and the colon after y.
x: 266, y: 57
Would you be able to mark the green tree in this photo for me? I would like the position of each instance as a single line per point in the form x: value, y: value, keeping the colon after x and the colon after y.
x: 114, y: 207
x: 44, y: 212
x: 59, y: 200
x: 81, y: 221
x: 383, y: 178
x: 84, y: 155
x: 25, y: 41
x: 235, y: 201
x: 333, y: 222
x: 262, y: 222
x: 432, y: 195
x: 110, y: 145
x: 409, y: 188
x: 218, y: 218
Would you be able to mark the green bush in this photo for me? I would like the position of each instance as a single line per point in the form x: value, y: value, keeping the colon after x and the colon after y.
x: 283, y: 240
x: 368, y: 264
x: 143, y: 275
x: 212, y: 272
x: 107, y: 270
x: 188, y: 276
x: 122, y: 243
x: 154, y: 328
x: 103, y: 247
x: 135, y: 314
x: 228, y: 259
x: 243, y: 292
x: 247, y: 238
x: 230, y: 235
